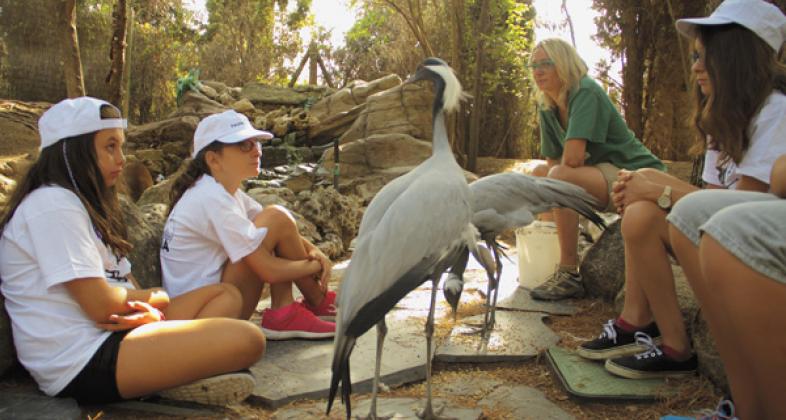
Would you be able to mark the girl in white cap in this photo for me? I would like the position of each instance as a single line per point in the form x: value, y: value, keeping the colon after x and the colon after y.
x: 80, y: 326
x: 741, y: 113
x: 216, y: 234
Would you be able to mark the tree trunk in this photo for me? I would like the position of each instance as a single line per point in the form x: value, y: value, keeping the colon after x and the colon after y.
x: 117, y: 53
x: 633, y: 69
x: 570, y: 22
x: 477, y: 91
x: 72, y: 62
x: 456, y: 14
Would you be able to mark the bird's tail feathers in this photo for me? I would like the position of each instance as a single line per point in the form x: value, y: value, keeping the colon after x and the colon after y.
x: 343, y: 350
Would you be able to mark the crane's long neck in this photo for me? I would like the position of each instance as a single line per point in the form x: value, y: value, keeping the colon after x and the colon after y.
x: 440, y: 144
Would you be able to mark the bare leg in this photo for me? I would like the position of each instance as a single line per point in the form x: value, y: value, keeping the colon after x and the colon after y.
x: 382, y: 331
x: 214, y: 301
x: 714, y: 310
x: 754, y: 315
x: 645, y: 232
x: 591, y: 179
x: 152, y: 357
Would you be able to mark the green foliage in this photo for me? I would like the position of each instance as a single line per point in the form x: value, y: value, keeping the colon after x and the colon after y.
x: 186, y: 83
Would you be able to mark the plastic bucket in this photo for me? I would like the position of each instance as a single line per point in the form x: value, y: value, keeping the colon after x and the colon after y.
x: 538, y: 249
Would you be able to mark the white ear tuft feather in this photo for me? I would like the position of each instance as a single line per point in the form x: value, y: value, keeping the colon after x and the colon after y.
x: 453, y: 93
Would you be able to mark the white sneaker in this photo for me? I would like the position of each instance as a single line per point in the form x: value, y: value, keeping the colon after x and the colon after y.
x: 228, y: 388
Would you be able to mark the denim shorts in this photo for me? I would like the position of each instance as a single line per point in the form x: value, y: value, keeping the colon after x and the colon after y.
x: 750, y: 225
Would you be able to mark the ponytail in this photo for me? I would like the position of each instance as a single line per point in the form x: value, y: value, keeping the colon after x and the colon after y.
x: 195, y: 169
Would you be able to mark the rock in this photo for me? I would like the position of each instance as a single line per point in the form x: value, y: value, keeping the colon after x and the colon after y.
x: 331, y: 245
x: 176, y: 134
x: 332, y: 212
x: 261, y: 94
x: 208, y: 91
x: 154, y: 160
x: 225, y: 99
x: 376, y: 153
x: 145, y: 227
x: 355, y: 93
x: 7, y: 350
x: 199, y: 104
x: 334, y: 125
x: 603, y: 267
x: 299, y: 182
x: 19, y: 125
x: 273, y: 156
x: 243, y: 106
x: 281, y: 125
x: 404, y: 109
x: 218, y: 87
x: 137, y: 178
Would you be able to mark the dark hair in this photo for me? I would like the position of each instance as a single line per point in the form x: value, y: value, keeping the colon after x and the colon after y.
x: 101, y: 202
x: 743, y: 71
x: 195, y: 168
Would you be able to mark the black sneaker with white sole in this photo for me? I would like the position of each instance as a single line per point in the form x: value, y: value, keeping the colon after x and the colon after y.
x: 652, y: 363
x: 613, y: 341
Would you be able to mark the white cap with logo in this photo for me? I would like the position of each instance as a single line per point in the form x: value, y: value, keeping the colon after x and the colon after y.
x: 762, y: 18
x: 226, y: 127
x: 74, y: 117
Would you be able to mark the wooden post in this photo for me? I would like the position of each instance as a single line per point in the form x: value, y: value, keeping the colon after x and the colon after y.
x: 312, y: 65
x: 72, y: 62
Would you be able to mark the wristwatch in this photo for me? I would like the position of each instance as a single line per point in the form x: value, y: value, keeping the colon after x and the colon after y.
x: 664, y: 201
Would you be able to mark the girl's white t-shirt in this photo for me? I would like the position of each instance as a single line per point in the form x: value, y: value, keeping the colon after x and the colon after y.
x: 207, y: 227
x: 49, y: 241
x: 767, y: 133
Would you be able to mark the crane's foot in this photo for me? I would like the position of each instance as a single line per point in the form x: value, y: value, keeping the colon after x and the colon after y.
x: 433, y: 414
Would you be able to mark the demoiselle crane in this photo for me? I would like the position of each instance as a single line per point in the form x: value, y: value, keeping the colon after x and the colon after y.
x: 412, y: 231
x: 512, y: 200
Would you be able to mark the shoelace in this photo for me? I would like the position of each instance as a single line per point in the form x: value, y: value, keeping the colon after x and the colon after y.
x: 724, y: 411
x: 645, y: 340
x: 609, y: 331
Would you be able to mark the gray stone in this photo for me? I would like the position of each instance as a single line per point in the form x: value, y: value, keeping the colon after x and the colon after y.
x: 145, y: 227
x: 194, y: 102
x: 520, y: 300
x: 20, y: 406
x: 517, y: 336
x: 170, y: 408
x: 261, y: 94
x: 355, y: 93
x: 408, y: 408
x: 603, y: 267
x: 524, y: 402
x: 297, y: 369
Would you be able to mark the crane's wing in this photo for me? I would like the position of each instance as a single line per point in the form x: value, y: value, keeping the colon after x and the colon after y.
x: 511, y: 200
x: 381, y: 202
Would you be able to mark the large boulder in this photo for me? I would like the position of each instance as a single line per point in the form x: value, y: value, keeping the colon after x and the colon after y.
x: 603, y: 267
x: 332, y: 213
x: 196, y: 103
x: 404, y: 109
x: 145, y: 227
x: 19, y: 125
x: 177, y: 131
x: 333, y: 125
x: 377, y: 153
x: 352, y: 95
x: 266, y: 95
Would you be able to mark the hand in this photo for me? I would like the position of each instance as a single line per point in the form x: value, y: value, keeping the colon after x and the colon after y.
x: 327, y: 266
x: 631, y: 187
x: 159, y: 298
x: 142, y: 313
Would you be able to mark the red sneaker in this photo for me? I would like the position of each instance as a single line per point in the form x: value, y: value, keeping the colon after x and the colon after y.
x: 326, y: 310
x: 295, y: 321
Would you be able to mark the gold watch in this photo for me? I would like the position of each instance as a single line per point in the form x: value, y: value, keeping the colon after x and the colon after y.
x: 664, y: 201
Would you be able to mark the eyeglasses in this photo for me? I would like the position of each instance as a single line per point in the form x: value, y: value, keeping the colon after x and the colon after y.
x: 246, y: 145
x: 543, y: 64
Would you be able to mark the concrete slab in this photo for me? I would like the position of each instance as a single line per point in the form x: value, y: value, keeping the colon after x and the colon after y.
x: 169, y: 408
x: 408, y: 408
x: 29, y: 406
x: 517, y: 336
x: 523, y: 402
x: 589, y: 380
x: 299, y: 369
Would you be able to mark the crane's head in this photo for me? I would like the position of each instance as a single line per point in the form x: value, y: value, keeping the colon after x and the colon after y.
x: 447, y: 86
x: 452, y: 289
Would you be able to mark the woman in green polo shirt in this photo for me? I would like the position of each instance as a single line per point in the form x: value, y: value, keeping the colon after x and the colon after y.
x: 585, y: 142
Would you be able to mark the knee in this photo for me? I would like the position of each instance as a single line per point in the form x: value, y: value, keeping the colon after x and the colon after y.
x: 251, y: 343
x: 541, y: 170
x: 639, y: 220
x: 561, y: 172
x: 231, y: 293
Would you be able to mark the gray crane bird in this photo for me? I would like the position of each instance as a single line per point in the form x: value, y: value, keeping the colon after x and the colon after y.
x: 507, y: 201
x: 412, y: 231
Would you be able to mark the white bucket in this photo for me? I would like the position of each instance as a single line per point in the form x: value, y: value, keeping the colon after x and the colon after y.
x: 538, y: 249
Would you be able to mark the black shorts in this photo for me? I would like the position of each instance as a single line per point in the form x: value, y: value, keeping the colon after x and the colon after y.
x: 97, y: 382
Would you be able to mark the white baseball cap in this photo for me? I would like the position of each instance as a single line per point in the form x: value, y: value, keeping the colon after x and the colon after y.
x: 226, y: 127
x: 74, y: 117
x: 762, y: 18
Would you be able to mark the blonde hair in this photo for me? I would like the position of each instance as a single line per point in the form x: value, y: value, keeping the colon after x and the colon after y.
x: 570, y: 68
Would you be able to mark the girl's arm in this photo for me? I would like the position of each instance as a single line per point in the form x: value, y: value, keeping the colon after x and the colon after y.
x: 747, y: 183
x: 155, y: 296
x: 573, y: 153
x: 100, y: 301
x: 275, y: 270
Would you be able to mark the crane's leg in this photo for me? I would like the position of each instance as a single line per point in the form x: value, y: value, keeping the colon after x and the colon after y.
x: 485, y: 259
x: 428, y: 412
x: 498, y: 272
x: 382, y: 331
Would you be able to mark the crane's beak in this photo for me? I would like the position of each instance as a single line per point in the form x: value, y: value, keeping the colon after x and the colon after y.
x: 420, y: 74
